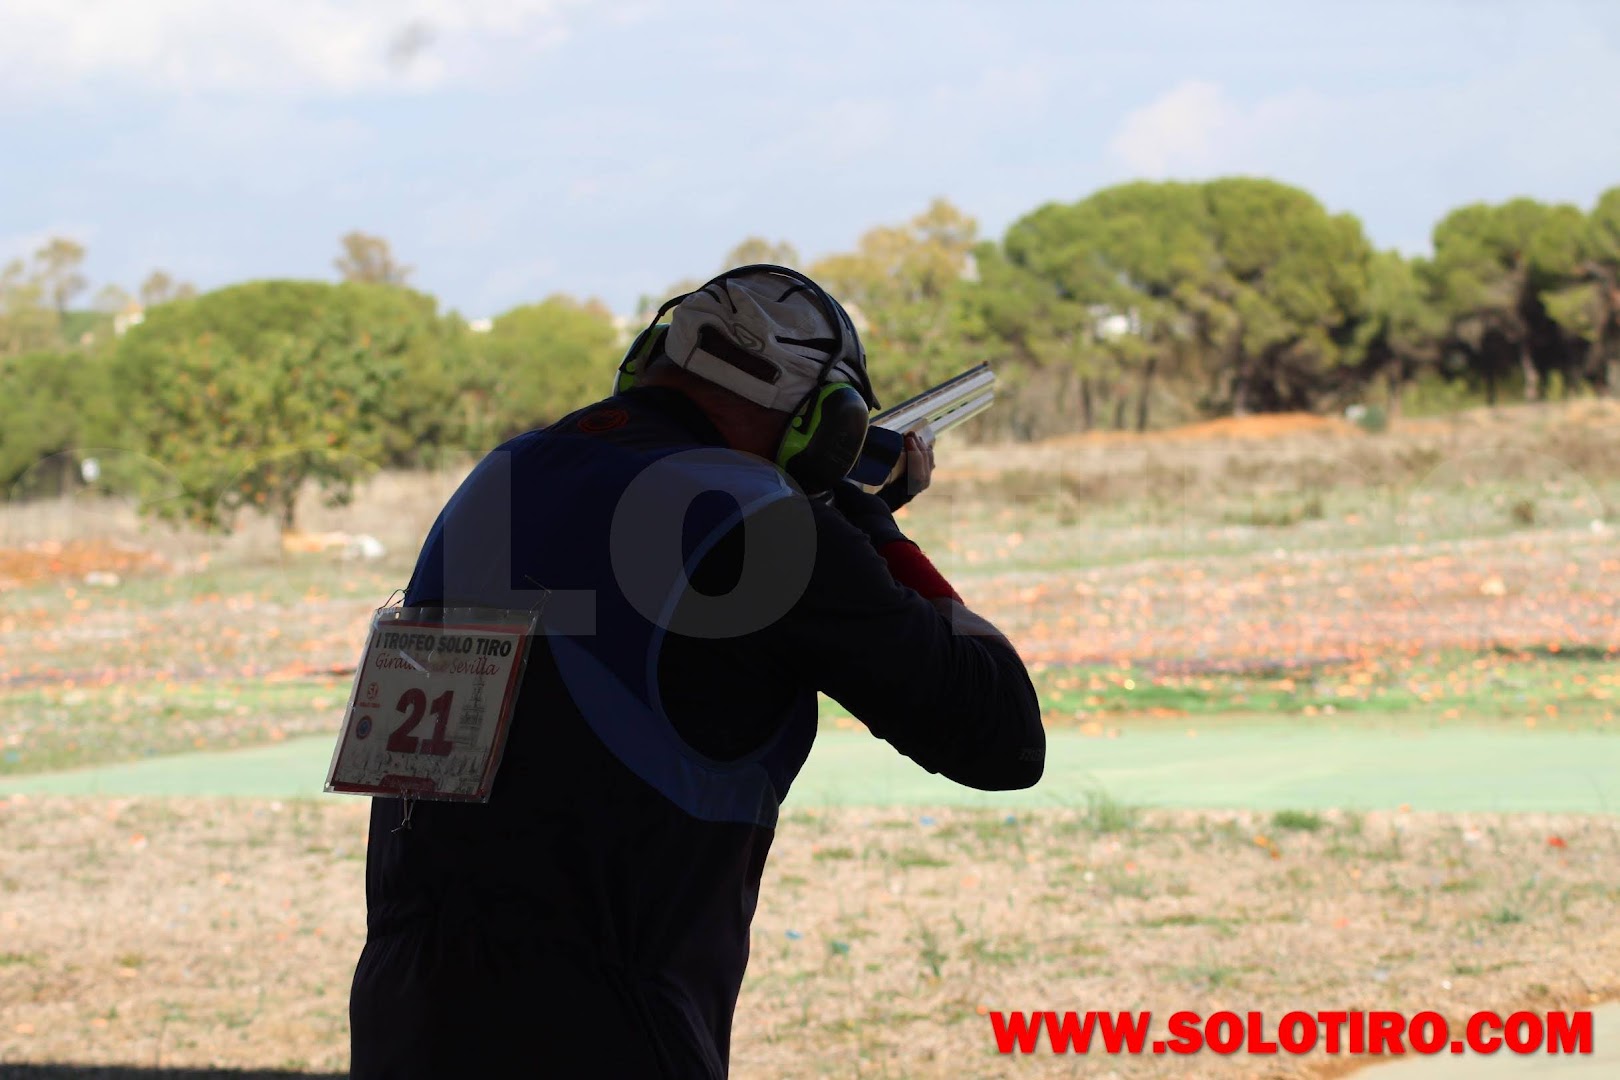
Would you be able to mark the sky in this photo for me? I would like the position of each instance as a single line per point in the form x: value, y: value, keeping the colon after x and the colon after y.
x: 510, y: 149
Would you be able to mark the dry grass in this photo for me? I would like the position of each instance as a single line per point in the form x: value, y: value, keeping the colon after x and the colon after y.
x: 163, y: 933
x: 1293, y: 454
x: 395, y: 507
x: 189, y: 933
x: 1208, y: 468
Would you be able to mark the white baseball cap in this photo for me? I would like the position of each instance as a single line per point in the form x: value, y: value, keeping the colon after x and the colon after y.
x: 763, y: 332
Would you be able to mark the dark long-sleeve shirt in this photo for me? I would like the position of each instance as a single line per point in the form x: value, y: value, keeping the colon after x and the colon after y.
x: 593, y: 917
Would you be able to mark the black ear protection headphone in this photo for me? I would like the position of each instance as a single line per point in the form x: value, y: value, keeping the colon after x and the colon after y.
x: 824, y: 438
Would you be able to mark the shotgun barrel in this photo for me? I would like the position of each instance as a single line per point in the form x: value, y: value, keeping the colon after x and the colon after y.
x: 929, y: 414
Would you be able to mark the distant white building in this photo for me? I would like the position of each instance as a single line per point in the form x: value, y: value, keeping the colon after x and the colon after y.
x: 132, y: 315
x: 480, y: 326
x: 624, y: 328
x: 1111, y: 325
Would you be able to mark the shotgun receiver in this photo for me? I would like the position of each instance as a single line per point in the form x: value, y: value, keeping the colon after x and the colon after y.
x: 929, y: 414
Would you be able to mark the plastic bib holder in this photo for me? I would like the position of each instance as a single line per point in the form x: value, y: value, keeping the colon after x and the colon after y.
x: 432, y: 703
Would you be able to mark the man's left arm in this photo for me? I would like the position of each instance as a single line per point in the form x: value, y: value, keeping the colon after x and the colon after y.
x: 923, y: 673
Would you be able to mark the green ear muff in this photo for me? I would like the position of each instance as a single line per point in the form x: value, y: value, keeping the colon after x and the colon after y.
x: 824, y: 439
x: 641, y: 351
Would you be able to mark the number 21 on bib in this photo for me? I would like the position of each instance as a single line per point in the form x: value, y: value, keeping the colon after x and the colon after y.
x: 432, y: 701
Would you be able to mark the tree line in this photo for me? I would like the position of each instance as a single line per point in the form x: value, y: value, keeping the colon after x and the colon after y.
x: 1141, y: 304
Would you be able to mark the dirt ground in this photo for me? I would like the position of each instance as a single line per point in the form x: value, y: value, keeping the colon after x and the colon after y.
x: 74, y: 559
x: 169, y: 933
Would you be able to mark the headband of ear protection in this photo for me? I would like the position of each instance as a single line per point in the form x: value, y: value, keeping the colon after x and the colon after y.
x: 648, y: 344
x: 828, y: 427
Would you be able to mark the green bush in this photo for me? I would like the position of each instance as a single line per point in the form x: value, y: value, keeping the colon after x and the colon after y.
x: 245, y: 394
x: 48, y: 396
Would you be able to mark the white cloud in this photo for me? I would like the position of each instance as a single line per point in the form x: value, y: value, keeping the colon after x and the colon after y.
x: 1175, y: 129
x: 1409, y: 152
x: 1197, y: 129
x: 289, y: 46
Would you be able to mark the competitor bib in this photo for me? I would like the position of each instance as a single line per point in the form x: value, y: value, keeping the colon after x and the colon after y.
x: 432, y: 701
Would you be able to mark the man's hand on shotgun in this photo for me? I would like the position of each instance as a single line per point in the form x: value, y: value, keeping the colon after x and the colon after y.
x: 915, y: 477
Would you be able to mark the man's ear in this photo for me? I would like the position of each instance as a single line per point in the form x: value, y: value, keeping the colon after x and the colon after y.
x: 658, y: 362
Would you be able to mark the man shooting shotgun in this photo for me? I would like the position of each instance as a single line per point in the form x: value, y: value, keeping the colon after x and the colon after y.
x: 704, y: 568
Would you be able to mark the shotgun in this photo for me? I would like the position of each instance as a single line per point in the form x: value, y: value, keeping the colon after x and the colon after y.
x: 930, y: 414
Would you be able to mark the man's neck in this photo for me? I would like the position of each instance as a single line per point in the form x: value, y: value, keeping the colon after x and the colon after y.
x: 744, y: 425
